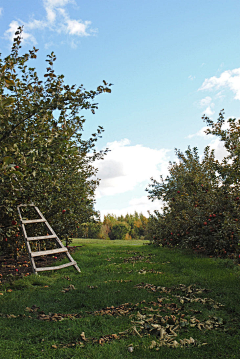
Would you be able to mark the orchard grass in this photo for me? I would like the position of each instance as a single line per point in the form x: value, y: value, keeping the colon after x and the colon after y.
x: 144, y: 278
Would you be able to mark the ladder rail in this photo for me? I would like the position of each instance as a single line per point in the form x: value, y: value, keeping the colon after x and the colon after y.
x: 33, y: 265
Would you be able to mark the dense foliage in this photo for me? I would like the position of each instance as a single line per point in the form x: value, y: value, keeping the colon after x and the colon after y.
x: 201, y: 197
x: 43, y: 157
x: 132, y: 226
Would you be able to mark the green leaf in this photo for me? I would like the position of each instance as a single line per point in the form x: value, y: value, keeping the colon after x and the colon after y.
x: 9, y: 82
x: 7, y: 160
x: 18, y: 173
x: 7, y: 102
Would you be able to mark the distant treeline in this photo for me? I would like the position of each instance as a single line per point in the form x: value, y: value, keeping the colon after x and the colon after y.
x: 131, y: 226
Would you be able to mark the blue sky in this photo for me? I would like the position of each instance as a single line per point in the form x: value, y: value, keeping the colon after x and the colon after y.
x: 170, y: 62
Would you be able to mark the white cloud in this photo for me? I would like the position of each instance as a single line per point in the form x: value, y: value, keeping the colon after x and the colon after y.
x: 57, y: 3
x: 205, y: 101
x: 191, y: 77
x: 208, y: 111
x: 51, y: 14
x: 141, y: 205
x: 200, y: 133
x: 1, y: 11
x: 10, y: 33
x: 228, y: 79
x: 34, y: 24
x: 214, y: 144
x: 74, y: 27
x: 57, y: 20
x: 219, y: 149
x: 51, y: 6
x: 126, y: 166
x: 219, y: 95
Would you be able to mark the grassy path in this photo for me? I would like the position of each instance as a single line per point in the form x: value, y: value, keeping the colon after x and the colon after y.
x: 131, y: 300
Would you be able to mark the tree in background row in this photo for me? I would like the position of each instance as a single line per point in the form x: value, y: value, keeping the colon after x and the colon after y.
x: 132, y: 226
x: 201, y: 197
x: 43, y: 157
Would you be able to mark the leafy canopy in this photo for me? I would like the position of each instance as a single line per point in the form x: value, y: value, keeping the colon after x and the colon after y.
x: 43, y: 156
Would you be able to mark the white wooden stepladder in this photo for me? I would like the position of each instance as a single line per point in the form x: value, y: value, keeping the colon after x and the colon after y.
x: 32, y: 255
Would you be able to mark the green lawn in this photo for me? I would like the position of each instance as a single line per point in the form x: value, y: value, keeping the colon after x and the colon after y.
x: 131, y: 300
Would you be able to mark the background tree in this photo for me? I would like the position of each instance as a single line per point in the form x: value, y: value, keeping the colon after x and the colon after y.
x: 119, y: 230
x: 43, y: 157
x: 132, y: 226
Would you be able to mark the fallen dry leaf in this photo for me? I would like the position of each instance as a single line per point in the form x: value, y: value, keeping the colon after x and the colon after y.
x: 82, y: 335
x: 71, y: 287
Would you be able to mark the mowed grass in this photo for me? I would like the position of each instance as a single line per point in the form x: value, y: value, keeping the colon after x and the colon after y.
x: 125, y: 287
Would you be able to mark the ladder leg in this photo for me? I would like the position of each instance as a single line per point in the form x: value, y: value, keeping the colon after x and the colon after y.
x: 72, y: 260
x: 31, y: 258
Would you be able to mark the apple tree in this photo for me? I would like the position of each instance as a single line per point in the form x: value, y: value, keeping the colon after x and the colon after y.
x: 44, y: 158
x: 201, y: 200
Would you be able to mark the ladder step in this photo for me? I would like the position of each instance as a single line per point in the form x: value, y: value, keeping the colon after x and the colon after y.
x: 33, y: 221
x: 56, y: 267
x: 26, y: 205
x: 41, y: 237
x: 50, y: 251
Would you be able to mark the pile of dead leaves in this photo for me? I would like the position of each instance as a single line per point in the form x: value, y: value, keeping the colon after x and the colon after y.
x: 138, y: 258
x: 167, y: 328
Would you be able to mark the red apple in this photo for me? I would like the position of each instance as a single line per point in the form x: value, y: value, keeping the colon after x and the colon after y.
x: 63, y: 211
x: 14, y: 223
x: 178, y: 192
x: 205, y: 223
x: 16, y: 167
